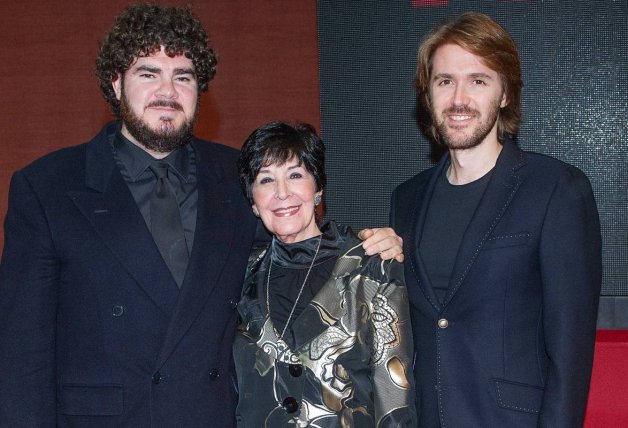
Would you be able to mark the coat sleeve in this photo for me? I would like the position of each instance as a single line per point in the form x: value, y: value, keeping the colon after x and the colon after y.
x: 29, y: 275
x: 392, y: 350
x: 571, y: 270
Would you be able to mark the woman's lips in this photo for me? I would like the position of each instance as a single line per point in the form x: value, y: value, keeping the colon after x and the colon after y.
x: 287, y: 211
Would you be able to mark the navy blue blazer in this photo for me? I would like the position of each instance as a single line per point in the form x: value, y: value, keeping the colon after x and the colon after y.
x: 512, y: 343
x: 94, y: 331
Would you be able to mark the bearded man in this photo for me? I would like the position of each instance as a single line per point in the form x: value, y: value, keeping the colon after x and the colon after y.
x: 124, y: 257
x: 503, y: 249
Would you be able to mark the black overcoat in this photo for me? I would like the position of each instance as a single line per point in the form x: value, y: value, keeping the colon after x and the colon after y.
x: 94, y: 331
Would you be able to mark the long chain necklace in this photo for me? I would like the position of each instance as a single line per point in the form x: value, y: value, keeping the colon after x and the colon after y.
x: 285, y: 327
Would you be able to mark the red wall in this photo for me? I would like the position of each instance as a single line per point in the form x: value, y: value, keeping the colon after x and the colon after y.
x: 268, y: 70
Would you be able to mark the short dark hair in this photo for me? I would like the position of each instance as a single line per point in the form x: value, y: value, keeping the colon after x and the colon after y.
x: 482, y: 36
x: 140, y: 30
x: 276, y: 143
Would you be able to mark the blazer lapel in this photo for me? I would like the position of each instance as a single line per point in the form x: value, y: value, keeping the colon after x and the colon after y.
x: 499, y: 193
x: 214, y: 236
x: 109, y: 206
x: 411, y: 243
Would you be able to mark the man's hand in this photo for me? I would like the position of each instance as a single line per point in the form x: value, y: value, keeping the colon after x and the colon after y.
x: 384, y: 241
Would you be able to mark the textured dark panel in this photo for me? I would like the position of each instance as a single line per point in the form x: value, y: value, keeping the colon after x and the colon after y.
x: 575, y: 66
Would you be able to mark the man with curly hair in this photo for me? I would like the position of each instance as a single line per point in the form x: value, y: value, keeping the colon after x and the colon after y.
x: 124, y: 257
x: 101, y: 322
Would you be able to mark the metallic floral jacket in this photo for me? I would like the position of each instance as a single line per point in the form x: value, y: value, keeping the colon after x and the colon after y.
x: 351, y: 360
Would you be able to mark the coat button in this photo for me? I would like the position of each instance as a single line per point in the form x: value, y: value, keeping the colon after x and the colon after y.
x: 290, y: 404
x: 443, y: 323
x: 233, y: 303
x: 157, y: 378
x: 214, y: 374
x: 117, y: 310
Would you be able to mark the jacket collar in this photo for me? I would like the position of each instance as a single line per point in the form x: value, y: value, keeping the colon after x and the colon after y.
x: 109, y: 206
x: 499, y: 192
x: 325, y: 305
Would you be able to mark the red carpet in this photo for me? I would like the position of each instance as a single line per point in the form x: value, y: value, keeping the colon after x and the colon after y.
x: 608, y: 397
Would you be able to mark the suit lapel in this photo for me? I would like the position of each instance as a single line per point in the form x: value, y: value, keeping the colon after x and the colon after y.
x: 213, y: 239
x: 411, y: 243
x: 110, y: 208
x: 499, y: 192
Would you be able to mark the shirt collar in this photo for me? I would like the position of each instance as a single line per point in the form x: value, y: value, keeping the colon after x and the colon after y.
x: 136, y: 160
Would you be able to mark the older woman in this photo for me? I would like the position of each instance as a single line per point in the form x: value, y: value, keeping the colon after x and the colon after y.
x: 324, y: 338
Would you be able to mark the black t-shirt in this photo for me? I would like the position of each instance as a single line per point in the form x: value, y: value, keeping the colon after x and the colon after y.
x: 449, y: 213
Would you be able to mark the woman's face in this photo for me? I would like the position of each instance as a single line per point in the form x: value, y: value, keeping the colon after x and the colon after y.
x: 284, y: 197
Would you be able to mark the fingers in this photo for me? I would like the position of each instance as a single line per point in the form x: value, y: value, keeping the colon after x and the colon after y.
x: 366, y: 233
x: 385, y: 242
x: 395, y: 252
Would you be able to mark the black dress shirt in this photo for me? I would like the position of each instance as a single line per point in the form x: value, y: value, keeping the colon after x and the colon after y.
x: 134, y: 163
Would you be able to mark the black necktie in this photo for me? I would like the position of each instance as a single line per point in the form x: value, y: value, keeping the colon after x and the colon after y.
x: 166, y: 227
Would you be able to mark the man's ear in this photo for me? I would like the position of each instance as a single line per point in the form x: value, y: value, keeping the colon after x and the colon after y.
x: 505, y: 100
x: 117, y: 86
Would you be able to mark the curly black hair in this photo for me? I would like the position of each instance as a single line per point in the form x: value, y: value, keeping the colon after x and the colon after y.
x: 140, y: 30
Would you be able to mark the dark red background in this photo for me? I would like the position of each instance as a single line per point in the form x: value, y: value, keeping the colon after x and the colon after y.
x: 268, y: 70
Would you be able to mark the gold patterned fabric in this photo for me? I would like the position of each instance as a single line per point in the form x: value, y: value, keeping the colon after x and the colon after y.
x: 350, y: 359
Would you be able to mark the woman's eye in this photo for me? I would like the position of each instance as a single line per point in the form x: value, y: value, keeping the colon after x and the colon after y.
x: 296, y: 175
x: 265, y: 180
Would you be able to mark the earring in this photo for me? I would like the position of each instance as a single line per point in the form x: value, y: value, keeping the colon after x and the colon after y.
x: 317, y: 200
x: 255, y: 212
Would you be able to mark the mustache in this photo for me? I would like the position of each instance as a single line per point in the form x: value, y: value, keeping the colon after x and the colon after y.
x: 464, y: 110
x: 166, y: 103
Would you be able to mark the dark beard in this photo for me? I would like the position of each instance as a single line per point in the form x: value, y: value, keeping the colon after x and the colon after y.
x: 480, y: 133
x: 167, y: 139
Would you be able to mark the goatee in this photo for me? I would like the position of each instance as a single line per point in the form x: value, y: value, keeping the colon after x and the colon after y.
x: 164, y: 140
x: 462, y: 142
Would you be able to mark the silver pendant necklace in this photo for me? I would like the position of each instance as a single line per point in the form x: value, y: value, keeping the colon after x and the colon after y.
x: 307, y: 275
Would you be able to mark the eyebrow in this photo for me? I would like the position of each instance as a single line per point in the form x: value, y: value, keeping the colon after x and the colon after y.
x: 156, y: 70
x: 178, y: 71
x: 150, y: 69
x: 472, y: 75
x: 482, y: 75
x: 266, y: 170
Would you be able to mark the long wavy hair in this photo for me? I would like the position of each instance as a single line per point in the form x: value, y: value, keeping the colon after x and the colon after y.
x: 482, y: 36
